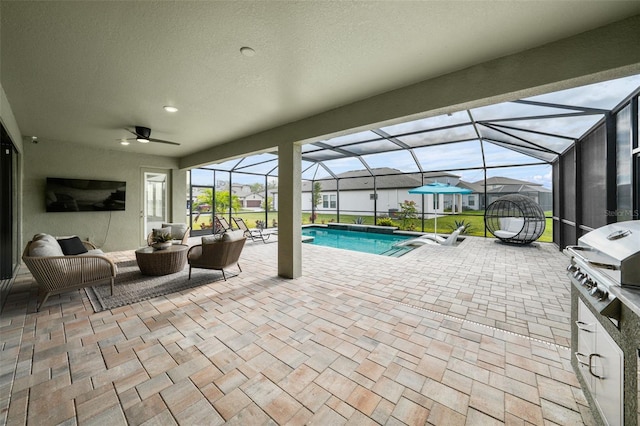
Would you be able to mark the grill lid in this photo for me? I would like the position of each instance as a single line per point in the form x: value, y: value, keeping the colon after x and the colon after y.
x: 618, y: 240
x: 620, y: 243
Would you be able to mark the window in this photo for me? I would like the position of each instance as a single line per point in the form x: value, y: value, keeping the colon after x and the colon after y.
x: 436, y: 202
x: 471, y: 201
x: 329, y: 201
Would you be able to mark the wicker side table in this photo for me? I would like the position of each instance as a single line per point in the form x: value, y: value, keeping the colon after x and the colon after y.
x: 162, y: 262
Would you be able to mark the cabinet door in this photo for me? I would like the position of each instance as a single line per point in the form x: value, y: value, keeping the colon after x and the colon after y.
x: 587, y: 328
x: 609, y: 364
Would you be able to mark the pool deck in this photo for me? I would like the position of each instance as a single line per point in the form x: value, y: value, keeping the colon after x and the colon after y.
x: 473, y: 334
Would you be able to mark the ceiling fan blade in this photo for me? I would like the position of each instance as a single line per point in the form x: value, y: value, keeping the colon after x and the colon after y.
x: 161, y: 141
x: 144, y: 134
x: 131, y: 131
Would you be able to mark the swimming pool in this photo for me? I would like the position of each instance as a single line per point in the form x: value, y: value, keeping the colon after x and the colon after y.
x: 366, y: 242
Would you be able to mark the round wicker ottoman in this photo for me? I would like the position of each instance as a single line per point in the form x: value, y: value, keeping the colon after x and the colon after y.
x: 162, y: 262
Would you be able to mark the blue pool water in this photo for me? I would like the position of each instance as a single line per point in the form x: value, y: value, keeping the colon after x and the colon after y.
x: 367, y: 242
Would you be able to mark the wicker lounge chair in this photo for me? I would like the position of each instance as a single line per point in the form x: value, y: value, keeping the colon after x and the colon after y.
x: 57, y: 273
x: 515, y: 219
x: 217, y: 252
x: 430, y: 239
x: 179, y: 233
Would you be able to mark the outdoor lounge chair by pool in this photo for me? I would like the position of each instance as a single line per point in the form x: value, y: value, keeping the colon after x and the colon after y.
x: 220, y: 225
x: 436, y: 240
x: 253, y: 233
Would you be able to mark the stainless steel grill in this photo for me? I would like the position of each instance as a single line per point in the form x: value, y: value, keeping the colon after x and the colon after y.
x: 606, y: 257
x: 605, y: 273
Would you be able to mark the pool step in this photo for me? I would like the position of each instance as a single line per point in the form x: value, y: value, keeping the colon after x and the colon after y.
x: 395, y: 252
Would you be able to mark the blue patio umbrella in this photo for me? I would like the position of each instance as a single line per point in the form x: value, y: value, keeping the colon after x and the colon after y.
x: 439, y: 188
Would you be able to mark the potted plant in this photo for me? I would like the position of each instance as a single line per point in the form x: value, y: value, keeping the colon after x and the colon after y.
x: 161, y: 241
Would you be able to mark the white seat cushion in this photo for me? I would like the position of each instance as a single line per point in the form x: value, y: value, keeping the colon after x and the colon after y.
x: 515, y: 225
x: 505, y: 234
x: 93, y: 252
x: 511, y: 225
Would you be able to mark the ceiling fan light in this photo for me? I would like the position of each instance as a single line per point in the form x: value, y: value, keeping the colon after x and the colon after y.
x: 141, y: 140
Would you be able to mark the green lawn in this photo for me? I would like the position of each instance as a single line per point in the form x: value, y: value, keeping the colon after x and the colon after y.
x: 446, y: 224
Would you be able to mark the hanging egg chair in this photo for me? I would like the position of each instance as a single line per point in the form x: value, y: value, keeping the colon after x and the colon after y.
x: 515, y: 219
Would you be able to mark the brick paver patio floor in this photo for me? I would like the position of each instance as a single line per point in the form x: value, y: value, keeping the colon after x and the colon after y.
x: 474, y: 334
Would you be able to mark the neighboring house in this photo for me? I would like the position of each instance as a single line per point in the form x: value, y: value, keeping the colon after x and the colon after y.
x: 499, y: 186
x: 245, y: 195
x: 248, y: 199
x: 471, y: 201
x: 357, y: 192
x: 253, y: 200
x: 356, y: 189
x: 273, y: 194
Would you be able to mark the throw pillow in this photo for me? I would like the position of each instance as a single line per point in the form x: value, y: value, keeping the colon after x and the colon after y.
x: 211, y: 239
x: 177, y: 229
x: 72, y: 246
x: 238, y: 234
x: 42, y: 248
x: 45, y: 238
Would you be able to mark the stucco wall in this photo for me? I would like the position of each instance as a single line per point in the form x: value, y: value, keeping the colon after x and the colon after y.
x: 111, y: 231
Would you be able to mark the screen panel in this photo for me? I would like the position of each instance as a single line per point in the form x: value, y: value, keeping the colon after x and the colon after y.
x: 593, y: 188
x: 568, y: 184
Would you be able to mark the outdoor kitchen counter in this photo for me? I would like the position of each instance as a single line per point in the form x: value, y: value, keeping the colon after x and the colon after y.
x: 627, y: 337
x: 628, y: 297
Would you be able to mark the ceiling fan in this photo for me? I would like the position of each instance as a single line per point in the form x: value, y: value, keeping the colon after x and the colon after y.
x: 143, y: 135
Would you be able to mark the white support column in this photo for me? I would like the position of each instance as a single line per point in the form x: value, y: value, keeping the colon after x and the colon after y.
x: 289, y: 210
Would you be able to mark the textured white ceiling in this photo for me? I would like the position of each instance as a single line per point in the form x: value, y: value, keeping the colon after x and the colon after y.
x: 83, y: 71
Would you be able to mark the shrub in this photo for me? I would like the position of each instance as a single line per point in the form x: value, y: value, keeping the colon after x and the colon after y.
x: 461, y: 224
x: 408, y: 210
x: 359, y: 220
x: 385, y: 221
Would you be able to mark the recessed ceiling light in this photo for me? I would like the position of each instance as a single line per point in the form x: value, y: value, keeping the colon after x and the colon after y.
x: 169, y: 108
x: 124, y: 142
x: 247, y: 51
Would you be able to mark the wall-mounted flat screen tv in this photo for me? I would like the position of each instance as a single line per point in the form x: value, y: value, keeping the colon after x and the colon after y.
x: 82, y: 195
